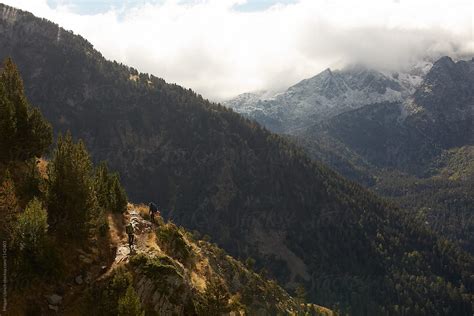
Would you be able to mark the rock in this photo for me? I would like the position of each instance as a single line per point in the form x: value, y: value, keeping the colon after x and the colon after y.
x: 54, y: 299
x: 54, y: 308
x: 79, y: 280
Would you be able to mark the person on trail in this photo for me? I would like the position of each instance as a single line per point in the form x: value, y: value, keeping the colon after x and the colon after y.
x: 130, y: 232
x: 153, y: 211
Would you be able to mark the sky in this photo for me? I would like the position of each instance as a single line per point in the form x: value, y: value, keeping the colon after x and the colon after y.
x: 221, y: 48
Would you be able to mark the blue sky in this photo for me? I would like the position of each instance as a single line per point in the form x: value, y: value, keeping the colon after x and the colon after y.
x: 100, y: 6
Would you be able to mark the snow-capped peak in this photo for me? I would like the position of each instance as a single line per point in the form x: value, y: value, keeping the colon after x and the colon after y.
x: 329, y: 93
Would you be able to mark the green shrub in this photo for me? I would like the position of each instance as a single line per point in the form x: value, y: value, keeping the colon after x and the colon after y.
x: 31, y: 229
x: 172, y: 240
x: 129, y: 304
x: 36, y: 255
x: 156, y: 268
x: 102, y: 298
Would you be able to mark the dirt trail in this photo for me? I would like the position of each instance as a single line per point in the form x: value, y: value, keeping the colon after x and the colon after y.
x: 144, y: 238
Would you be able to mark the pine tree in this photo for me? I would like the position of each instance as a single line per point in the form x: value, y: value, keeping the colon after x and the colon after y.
x: 119, y: 204
x: 300, y: 293
x: 71, y: 195
x: 31, y: 229
x: 110, y: 193
x: 102, y: 185
x: 24, y: 133
x: 38, y: 136
x: 7, y: 124
x: 8, y: 207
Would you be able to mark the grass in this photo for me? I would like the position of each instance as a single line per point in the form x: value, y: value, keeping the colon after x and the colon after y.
x: 156, y: 267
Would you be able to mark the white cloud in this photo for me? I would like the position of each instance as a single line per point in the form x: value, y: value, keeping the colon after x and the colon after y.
x: 220, y: 52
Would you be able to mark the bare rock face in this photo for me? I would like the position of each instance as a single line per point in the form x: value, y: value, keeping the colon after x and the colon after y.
x: 447, y: 97
x: 323, y: 96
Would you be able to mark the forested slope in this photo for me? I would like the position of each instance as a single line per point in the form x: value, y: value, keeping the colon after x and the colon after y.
x: 255, y: 193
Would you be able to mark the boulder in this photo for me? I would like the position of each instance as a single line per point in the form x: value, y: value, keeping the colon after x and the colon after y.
x: 79, y: 280
x: 54, y: 299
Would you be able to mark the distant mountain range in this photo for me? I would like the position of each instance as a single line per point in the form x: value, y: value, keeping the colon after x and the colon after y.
x: 254, y: 192
x: 393, y: 133
x: 327, y: 94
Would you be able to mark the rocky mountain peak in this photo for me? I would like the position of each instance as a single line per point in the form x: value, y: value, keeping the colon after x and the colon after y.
x: 444, y: 61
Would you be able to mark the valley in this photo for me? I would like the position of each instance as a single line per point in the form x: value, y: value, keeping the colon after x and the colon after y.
x: 351, y: 190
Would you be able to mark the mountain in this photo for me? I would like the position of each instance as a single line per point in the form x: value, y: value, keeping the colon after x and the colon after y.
x: 408, y: 134
x: 327, y: 94
x: 446, y: 99
x: 426, y: 141
x: 398, y: 147
x: 170, y: 271
x: 254, y: 192
x: 64, y: 225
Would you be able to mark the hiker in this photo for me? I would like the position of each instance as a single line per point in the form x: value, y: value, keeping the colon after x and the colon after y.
x: 153, y: 211
x: 131, y: 238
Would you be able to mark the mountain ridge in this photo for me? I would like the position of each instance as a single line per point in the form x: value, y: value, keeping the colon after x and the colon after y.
x: 257, y: 194
x: 327, y: 94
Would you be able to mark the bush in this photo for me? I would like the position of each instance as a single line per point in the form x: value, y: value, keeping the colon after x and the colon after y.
x: 173, y: 242
x: 102, y: 298
x: 31, y: 229
x: 156, y: 268
x: 129, y: 304
x: 36, y: 256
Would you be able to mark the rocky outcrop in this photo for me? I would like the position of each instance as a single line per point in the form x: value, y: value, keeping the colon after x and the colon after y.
x: 169, y: 283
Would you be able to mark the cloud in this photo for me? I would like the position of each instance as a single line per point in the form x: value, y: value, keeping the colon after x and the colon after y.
x: 219, y: 51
